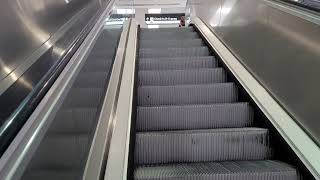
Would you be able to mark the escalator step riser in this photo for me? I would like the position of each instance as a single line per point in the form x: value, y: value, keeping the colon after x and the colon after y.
x: 78, y: 120
x: 100, y: 65
x: 194, y: 117
x: 177, y: 59
x: 176, y: 77
x: 177, y: 64
x: 202, y: 145
x: 83, y: 97
x: 52, y: 175
x: 174, y: 52
x: 185, y: 29
x: 175, y: 35
x: 61, y: 151
x: 91, y: 80
x: 171, y: 43
x: 187, y: 94
x: 234, y: 170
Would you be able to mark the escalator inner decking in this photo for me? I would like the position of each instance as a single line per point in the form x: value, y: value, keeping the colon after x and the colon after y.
x: 190, y: 123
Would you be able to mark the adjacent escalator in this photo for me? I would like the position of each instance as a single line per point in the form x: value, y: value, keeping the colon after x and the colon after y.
x: 63, y: 152
x: 191, y: 122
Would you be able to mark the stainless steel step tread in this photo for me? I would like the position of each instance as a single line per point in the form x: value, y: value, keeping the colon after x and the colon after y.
x: 176, y: 59
x: 229, y: 170
x: 204, y: 116
x: 91, y: 80
x: 187, y: 94
x: 176, y: 77
x: 177, y: 64
x: 83, y: 97
x: 174, y: 52
x: 169, y: 35
x: 202, y: 145
x: 160, y: 43
x: 74, y: 120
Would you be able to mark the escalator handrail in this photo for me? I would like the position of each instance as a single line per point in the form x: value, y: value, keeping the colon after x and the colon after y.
x: 98, y: 154
x: 50, y: 95
x: 117, y: 163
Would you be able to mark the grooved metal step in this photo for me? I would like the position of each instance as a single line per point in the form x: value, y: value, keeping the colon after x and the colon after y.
x: 171, y: 43
x: 174, y: 52
x: 91, y: 80
x: 53, y: 174
x: 169, y: 35
x: 177, y: 64
x: 228, y: 144
x: 161, y: 118
x: 184, y: 29
x: 77, y: 120
x: 83, y: 97
x: 176, y: 77
x: 233, y: 170
x: 94, y: 65
x: 176, y: 59
x: 187, y: 94
x: 61, y: 151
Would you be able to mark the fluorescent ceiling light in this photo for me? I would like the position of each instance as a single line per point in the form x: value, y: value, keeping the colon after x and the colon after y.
x: 153, y: 26
x: 125, y: 11
x: 154, y: 11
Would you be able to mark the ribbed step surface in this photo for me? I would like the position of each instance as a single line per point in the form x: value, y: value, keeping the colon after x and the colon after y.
x: 187, y: 94
x: 178, y: 64
x: 174, y: 52
x: 53, y: 175
x: 176, y: 77
x: 77, y: 120
x: 83, y: 97
x: 169, y: 35
x: 91, y: 80
x: 61, y: 151
x: 234, y: 170
x: 93, y: 65
x: 181, y: 30
x: 194, y: 117
x: 202, y: 145
x: 171, y: 43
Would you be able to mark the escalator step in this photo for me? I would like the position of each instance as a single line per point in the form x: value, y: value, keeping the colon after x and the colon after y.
x: 184, y: 29
x: 177, y: 64
x: 233, y: 170
x: 169, y: 35
x: 202, y: 145
x: 174, y: 52
x: 91, y: 80
x: 171, y: 43
x: 187, y: 94
x: 176, y: 59
x: 176, y: 77
x: 96, y: 65
x: 194, y: 117
x: 78, y: 120
x: 83, y: 97
x: 61, y: 151
x: 54, y: 174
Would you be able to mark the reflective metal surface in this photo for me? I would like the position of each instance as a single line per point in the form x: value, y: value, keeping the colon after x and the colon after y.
x: 306, y: 149
x: 280, y: 49
x: 27, y: 24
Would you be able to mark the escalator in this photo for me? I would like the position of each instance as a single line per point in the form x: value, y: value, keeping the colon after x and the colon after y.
x: 191, y: 121
x: 63, y: 152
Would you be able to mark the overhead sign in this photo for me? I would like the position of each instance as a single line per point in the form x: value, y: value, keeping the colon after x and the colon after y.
x: 163, y: 18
